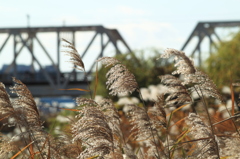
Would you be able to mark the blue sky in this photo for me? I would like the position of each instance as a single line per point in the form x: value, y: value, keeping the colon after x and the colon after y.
x: 143, y: 24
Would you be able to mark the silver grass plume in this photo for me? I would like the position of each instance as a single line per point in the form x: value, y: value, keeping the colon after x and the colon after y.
x: 73, y: 53
x: 6, y: 107
x: 229, y: 146
x: 18, y: 117
x: 65, y: 148
x: 7, y: 111
x: 201, y: 131
x: 28, y: 117
x: 128, y: 154
x: 140, y: 121
x: 82, y: 102
x: 6, y: 147
x: 158, y: 120
x: 119, y: 79
x: 178, y: 94
x: 205, y: 86
x: 157, y: 114
x: 114, y: 155
x: 143, y: 130
x: 93, y: 130
x: 184, y: 64
x: 114, y: 121
x: 26, y: 103
x: 191, y: 75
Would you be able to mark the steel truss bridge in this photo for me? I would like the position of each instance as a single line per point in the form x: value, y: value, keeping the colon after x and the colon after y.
x: 207, y: 30
x: 48, y: 80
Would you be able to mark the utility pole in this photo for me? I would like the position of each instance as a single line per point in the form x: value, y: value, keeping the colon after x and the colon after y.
x: 28, y: 21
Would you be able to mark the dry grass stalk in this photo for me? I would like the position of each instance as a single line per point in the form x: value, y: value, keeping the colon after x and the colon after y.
x: 73, y: 53
x: 65, y: 148
x: 140, y: 121
x: 114, y: 121
x: 178, y: 94
x: 200, y: 131
x: 184, y: 64
x: 76, y: 59
x: 229, y: 146
x: 82, y: 102
x: 157, y: 114
x: 26, y: 103
x: 145, y: 131
x: 28, y: 117
x: 6, y: 105
x: 192, y: 75
x: 25, y: 114
x: 119, y: 79
x: 203, y: 84
x: 93, y: 130
x: 200, y: 81
x: 6, y: 147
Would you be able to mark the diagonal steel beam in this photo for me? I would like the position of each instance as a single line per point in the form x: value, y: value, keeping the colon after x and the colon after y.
x: 210, y: 38
x: 90, y: 43
x: 189, y: 39
x: 4, y: 43
x: 56, y: 66
x: 217, y: 36
x: 113, y: 40
x: 58, y: 59
x: 200, y: 38
x: 45, y: 51
x: 100, y: 55
x: 114, y: 33
x: 15, y: 57
x: 17, y: 53
x: 39, y: 64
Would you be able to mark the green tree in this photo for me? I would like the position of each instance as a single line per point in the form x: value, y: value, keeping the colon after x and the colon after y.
x: 145, y: 68
x: 223, y: 65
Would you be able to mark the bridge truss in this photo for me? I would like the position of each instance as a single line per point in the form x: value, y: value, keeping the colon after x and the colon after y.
x: 207, y: 30
x: 43, y: 82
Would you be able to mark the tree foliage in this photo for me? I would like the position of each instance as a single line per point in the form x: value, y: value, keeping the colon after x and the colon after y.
x: 223, y: 65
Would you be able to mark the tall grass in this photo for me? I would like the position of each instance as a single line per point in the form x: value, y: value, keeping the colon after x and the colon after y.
x: 160, y: 130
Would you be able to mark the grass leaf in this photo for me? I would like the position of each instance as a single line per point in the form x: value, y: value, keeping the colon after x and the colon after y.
x: 96, y: 81
x: 177, y: 109
x: 76, y: 89
x: 74, y: 110
x: 232, y: 98
x: 19, y: 152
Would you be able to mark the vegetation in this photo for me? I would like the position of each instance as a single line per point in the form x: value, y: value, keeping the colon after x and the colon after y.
x: 99, y: 130
x: 222, y: 65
